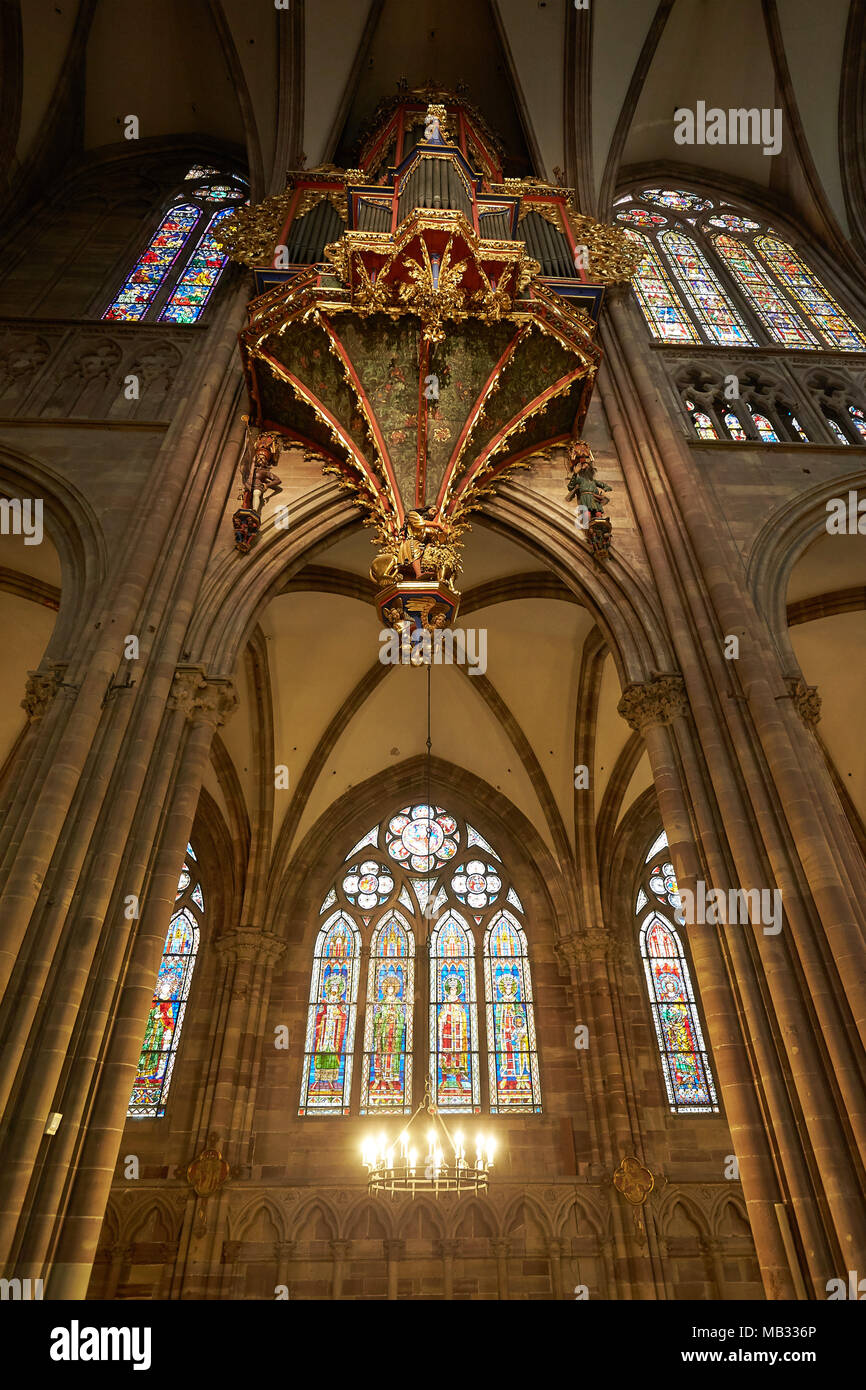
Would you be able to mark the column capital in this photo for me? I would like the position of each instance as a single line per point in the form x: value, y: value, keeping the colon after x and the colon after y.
x: 805, y: 698
x: 555, y: 1245
x: 447, y: 1248
x: 339, y: 1248
x: 284, y: 1249
x: 578, y: 948
x: 249, y: 943
x: 202, y: 699
x: 657, y: 701
x: 500, y: 1245
x: 394, y: 1249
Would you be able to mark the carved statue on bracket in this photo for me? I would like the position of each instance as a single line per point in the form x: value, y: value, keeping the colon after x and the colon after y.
x: 589, y: 491
x: 261, y: 453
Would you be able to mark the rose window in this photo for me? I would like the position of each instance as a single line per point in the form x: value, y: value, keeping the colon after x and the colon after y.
x: 369, y: 884
x: 476, y: 883
x: 423, y: 837
x: 663, y: 882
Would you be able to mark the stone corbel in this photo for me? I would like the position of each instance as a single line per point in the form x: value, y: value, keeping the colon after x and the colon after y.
x: 41, y: 688
x: 806, y: 700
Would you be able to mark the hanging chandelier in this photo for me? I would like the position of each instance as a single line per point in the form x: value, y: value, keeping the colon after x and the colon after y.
x: 400, y: 1168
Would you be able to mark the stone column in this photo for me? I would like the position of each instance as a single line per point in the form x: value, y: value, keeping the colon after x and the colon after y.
x: 394, y: 1251
x: 206, y: 704
x: 284, y: 1250
x: 448, y: 1249
x: 500, y: 1245
x: 555, y: 1252
x: 339, y: 1250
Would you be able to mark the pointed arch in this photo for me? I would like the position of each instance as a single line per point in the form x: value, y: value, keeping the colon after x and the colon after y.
x: 512, y: 1048
x: 329, y: 1045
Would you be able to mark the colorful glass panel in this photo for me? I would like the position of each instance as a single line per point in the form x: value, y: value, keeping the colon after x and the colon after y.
x: 699, y: 284
x: 151, y: 268
x: 731, y: 223
x: 512, y: 1054
x: 201, y: 171
x: 454, y: 1016
x: 424, y: 837
x: 477, y: 884
x: 858, y: 420
x: 165, y: 1020
x: 734, y: 426
x: 804, y: 287
x: 659, y: 301
x: 330, y: 1039
x: 779, y: 319
x: 764, y: 428
x: 704, y: 427
x: 639, y: 217
x: 369, y: 884
x: 677, y: 199
x: 219, y: 193
x: 199, y: 277
x: 386, y: 1084
x: 836, y: 429
x: 685, y: 1064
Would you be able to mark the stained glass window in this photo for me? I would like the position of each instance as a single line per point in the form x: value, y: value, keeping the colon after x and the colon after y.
x: 640, y: 217
x: 764, y: 428
x: 676, y: 198
x: 197, y: 280
x: 810, y: 295
x: 700, y: 285
x: 454, y: 1016
x: 836, y: 429
x: 329, y: 1044
x: 858, y: 419
x: 731, y: 223
x: 733, y: 425
x: 420, y: 861
x: 658, y: 299
x: 153, y: 265
x: 386, y: 1085
x: 704, y: 426
x: 512, y: 1055
x: 777, y: 316
x: 683, y: 1052
x: 174, y: 267
x: 165, y: 1020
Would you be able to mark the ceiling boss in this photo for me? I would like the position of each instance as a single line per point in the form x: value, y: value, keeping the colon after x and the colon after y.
x: 424, y: 326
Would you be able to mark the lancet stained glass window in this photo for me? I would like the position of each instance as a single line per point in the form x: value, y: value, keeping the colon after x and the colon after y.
x: 769, y: 280
x: 165, y: 1021
x: 699, y: 283
x: 777, y: 316
x: 658, y: 299
x: 421, y: 864
x: 682, y: 1050
x: 512, y: 1056
x: 386, y: 1084
x: 805, y: 288
x: 329, y: 1044
x: 704, y: 427
x: 454, y: 1016
x: 176, y: 274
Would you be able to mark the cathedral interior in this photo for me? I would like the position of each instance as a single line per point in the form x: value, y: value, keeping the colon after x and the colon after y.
x: 432, y: 570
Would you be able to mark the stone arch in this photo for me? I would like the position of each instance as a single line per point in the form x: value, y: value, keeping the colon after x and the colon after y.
x: 368, y: 1220
x: 681, y: 1216
x: 316, y: 1221
x: 729, y: 1218
x: 473, y: 1219
x: 260, y: 1220
x: 154, y: 1220
x: 525, y: 1217
x: 74, y: 530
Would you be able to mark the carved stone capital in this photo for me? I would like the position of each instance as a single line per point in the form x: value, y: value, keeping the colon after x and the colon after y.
x: 807, y: 701
x: 339, y: 1248
x: 577, y: 949
x: 656, y: 701
x: 395, y: 1249
x: 41, y: 688
x: 500, y: 1245
x: 230, y: 1251
x: 249, y: 943
x: 201, y: 699
x: 448, y: 1249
